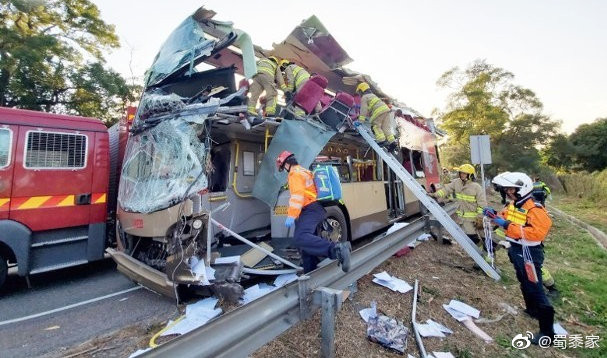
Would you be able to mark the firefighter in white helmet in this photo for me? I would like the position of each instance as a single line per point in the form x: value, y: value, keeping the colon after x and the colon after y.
x: 525, y: 223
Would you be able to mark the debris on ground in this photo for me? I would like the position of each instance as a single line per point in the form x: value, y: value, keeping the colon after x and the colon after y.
x: 196, y: 315
x: 388, y: 332
x: 393, y: 283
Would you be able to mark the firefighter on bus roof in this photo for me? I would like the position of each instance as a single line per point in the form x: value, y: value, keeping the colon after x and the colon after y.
x: 378, y: 113
x: 266, y: 79
x: 305, y: 213
x: 296, y: 77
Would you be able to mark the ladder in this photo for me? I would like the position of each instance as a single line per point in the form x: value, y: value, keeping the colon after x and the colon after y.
x: 436, y: 210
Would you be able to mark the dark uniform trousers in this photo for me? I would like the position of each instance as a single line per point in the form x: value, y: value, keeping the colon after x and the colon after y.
x: 309, y: 244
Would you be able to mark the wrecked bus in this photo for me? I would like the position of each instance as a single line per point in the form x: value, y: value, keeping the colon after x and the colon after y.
x: 199, y: 185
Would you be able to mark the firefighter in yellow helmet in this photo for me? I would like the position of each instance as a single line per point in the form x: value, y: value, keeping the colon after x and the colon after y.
x: 267, y: 78
x: 295, y: 77
x: 378, y: 113
x: 469, y: 197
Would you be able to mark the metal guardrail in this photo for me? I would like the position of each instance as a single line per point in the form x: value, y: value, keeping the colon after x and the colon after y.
x: 242, y: 331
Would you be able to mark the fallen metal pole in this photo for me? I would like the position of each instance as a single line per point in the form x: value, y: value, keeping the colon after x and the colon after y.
x: 252, y: 244
x: 418, y: 338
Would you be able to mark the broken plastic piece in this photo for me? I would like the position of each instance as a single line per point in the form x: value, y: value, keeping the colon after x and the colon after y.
x: 388, y: 332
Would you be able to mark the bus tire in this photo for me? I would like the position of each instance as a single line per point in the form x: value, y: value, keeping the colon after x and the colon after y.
x: 3, y: 270
x: 334, y: 227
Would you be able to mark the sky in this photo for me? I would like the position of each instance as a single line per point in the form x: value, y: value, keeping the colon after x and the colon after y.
x: 556, y: 48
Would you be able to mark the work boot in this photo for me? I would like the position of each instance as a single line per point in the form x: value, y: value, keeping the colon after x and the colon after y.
x: 545, y: 315
x: 341, y: 252
x: 553, y: 293
x: 392, y: 146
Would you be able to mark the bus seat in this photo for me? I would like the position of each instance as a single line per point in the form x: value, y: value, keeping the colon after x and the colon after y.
x: 336, y: 113
x: 310, y: 93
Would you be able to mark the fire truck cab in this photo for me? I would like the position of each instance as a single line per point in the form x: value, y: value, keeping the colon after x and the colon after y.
x: 54, y: 173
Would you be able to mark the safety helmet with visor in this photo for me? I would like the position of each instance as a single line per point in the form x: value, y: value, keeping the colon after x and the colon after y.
x: 521, y: 181
x: 282, y: 159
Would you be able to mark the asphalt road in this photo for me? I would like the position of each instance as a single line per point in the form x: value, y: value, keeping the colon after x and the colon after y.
x: 70, y: 306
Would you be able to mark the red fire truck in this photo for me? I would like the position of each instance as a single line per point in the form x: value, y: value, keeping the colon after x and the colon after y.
x: 56, y: 184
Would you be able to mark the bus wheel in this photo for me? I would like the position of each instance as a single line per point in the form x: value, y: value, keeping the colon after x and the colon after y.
x: 334, y: 227
x: 3, y: 270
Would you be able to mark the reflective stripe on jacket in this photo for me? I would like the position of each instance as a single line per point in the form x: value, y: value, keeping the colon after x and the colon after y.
x: 541, y: 187
x: 469, y: 197
x: 371, y: 106
x: 296, y: 77
x: 303, y: 191
x: 530, y: 221
x: 268, y: 67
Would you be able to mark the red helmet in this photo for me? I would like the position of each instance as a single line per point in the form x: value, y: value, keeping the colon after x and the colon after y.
x: 282, y: 158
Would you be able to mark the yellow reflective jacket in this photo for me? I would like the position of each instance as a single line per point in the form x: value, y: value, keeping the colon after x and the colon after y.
x: 371, y: 106
x: 469, y: 197
x: 296, y: 77
x: 268, y: 67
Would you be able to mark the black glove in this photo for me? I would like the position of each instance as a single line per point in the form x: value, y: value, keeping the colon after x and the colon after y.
x: 288, y: 96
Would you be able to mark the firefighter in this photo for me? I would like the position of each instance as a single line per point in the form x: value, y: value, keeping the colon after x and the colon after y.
x: 379, y: 116
x: 266, y: 79
x: 469, y: 197
x: 540, y: 191
x: 296, y: 77
x: 305, y: 213
x: 525, y: 223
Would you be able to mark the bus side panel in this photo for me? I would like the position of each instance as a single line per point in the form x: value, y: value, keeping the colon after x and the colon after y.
x: 367, y: 207
x: 44, y: 197
x: 8, y: 135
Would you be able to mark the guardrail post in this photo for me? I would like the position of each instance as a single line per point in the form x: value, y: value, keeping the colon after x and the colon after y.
x: 304, y: 299
x: 353, y: 288
x: 330, y: 303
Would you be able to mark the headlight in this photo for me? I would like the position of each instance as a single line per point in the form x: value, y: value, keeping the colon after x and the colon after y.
x: 197, y: 224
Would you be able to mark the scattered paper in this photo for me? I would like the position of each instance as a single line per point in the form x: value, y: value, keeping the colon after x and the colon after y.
x: 464, y: 308
x: 414, y: 244
x: 139, y: 352
x: 254, y: 292
x: 393, y: 283
x: 443, y: 355
x: 424, y: 237
x: 227, y: 260
x: 456, y: 314
x: 428, y: 330
x: 558, y: 329
x: 287, y: 278
x: 196, y: 315
x: 439, y: 326
x: 199, y: 270
x: 395, y: 227
x: 410, y: 356
x: 370, y: 312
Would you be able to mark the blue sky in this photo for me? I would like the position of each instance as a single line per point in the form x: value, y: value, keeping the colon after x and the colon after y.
x: 556, y: 48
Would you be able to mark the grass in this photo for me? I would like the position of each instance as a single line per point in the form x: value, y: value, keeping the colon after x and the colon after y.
x: 583, y: 209
x: 579, y: 267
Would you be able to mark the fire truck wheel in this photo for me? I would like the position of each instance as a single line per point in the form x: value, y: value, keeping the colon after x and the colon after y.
x: 3, y: 270
x: 334, y: 227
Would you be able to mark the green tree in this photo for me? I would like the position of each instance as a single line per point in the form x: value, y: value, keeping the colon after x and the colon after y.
x: 485, y: 101
x: 590, y: 142
x: 51, y: 59
x: 559, y: 153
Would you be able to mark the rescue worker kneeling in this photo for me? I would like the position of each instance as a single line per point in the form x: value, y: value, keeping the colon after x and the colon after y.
x: 379, y: 116
x: 295, y: 77
x: 525, y: 224
x: 305, y: 213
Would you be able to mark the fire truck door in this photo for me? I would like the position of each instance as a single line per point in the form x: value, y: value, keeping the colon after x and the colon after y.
x: 53, y: 176
x: 7, y: 153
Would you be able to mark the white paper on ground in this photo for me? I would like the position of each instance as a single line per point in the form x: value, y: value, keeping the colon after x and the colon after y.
x: 393, y: 283
x: 439, y: 326
x: 366, y: 313
x: 396, y: 227
x: 410, y: 356
x: 424, y: 237
x: 428, y: 330
x: 282, y: 280
x: 196, y: 315
x: 464, y: 308
x: 254, y: 292
x: 414, y: 244
x: 205, y: 305
x: 227, y: 260
x: 139, y: 352
x: 443, y: 355
x: 199, y: 271
x: 455, y: 313
x: 558, y: 329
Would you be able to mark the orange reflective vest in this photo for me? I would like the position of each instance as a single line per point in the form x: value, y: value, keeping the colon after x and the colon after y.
x: 303, y: 191
x: 530, y: 222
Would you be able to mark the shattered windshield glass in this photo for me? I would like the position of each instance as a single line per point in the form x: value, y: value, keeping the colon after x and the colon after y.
x: 164, y: 164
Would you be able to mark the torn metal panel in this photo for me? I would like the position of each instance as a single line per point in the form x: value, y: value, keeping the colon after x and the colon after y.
x: 161, y: 165
x: 299, y: 137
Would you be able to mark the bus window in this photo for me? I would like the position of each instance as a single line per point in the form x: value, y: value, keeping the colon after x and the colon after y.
x: 220, y: 160
x: 418, y: 166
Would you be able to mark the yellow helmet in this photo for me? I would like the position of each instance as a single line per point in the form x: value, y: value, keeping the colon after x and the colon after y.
x: 283, y: 64
x: 466, y: 168
x: 362, y: 87
x: 274, y: 58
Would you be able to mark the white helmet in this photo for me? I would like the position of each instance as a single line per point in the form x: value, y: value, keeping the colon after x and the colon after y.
x: 515, y: 180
